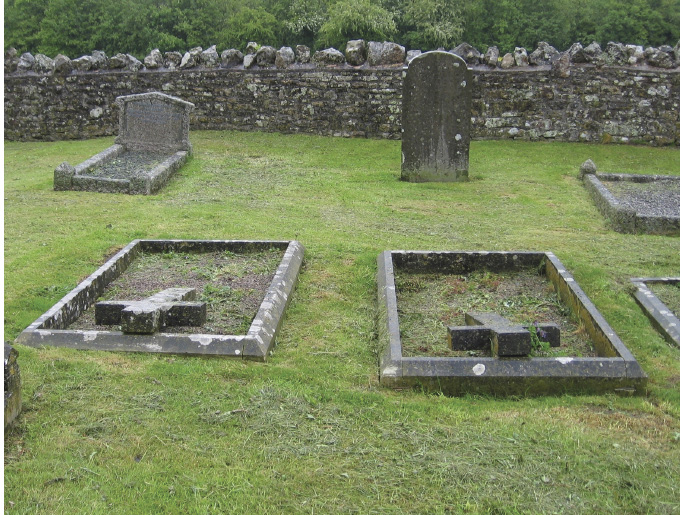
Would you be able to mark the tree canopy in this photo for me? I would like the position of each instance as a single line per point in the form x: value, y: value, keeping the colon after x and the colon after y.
x: 76, y: 27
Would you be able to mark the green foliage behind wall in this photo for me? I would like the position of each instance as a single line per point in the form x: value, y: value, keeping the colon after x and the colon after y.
x: 76, y: 27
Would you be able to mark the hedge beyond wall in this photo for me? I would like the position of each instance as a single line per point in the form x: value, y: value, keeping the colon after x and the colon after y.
x: 608, y: 103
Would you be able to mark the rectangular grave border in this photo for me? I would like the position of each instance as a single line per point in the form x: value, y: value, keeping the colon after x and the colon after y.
x: 615, y: 370
x: 78, y: 178
x: 172, y: 141
x: 662, y: 318
x: 625, y: 219
x: 51, y: 327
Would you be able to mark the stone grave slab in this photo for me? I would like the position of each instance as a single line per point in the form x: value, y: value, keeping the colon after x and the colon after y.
x: 173, y: 307
x: 636, y: 203
x: 436, y: 104
x: 612, y: 368
x: 663, y: 318
x: 152, y: 144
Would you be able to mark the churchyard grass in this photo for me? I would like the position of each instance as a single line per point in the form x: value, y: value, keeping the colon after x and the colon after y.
x: 311, y: 430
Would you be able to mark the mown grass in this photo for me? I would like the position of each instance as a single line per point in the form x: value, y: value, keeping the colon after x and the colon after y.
x: 311, y: 430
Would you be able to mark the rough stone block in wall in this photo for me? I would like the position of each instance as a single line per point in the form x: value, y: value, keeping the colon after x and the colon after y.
x: 611, y: 103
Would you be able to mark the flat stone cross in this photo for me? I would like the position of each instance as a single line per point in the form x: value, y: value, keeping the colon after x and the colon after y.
x: 506, y: 337
x: 165, y: 308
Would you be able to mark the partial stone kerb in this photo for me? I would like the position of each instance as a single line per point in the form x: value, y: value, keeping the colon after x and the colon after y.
x: 63, y: 176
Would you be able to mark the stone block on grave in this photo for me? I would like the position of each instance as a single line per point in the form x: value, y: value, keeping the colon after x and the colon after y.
x: 490, y: 331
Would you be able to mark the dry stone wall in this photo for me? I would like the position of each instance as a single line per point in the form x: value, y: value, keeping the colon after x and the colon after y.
x: 594, y: 103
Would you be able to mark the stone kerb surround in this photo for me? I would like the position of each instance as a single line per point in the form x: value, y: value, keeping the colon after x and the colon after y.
x: 12, y: 385
x: 608, y: 103
x: 148, y: 123
x: 615, y: 368
x: 660, y: 315
x: 51, y: 328
x: 623, y: 218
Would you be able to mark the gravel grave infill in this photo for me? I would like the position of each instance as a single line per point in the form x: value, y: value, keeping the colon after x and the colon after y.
x: 655, y: 198
x: 233, y: 286
x: 428, y: 303
x: 129, y: 164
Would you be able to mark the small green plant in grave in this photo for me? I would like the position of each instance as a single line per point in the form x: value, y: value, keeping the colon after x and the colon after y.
x: 537, y: 345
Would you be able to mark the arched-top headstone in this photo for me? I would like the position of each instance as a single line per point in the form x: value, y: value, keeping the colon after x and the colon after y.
x: 436, y: 103
x: 154, y: 121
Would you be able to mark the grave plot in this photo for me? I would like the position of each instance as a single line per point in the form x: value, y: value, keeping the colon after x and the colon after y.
x: 202, y: 297
x: 659, y: 298
x: 636, y: 203
x: 504, y: 323
x: 152, y: 144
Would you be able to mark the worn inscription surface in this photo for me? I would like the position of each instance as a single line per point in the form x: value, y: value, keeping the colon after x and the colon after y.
x: 152, y: 121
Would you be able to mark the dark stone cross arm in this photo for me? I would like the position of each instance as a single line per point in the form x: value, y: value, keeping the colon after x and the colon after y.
x: 170, y: 307
x: 505, y: 337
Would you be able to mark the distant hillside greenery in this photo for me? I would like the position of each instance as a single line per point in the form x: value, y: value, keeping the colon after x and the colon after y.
x: 76, y: 27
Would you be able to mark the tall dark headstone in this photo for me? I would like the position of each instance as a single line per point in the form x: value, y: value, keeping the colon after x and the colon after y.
x: 435, y: 141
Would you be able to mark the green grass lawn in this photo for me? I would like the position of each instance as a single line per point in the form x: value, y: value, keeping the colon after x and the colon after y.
x: 311, y: 430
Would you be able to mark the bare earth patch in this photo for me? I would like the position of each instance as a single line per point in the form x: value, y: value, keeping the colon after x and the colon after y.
x: 429, y: 303
x: 233, y: 286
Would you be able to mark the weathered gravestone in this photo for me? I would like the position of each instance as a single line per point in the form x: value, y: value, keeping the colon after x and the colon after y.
x: 153, y: 121
x: 436, y: 102
x: 152, y: 143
